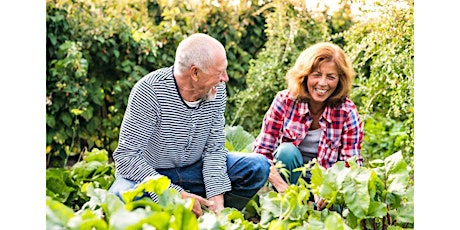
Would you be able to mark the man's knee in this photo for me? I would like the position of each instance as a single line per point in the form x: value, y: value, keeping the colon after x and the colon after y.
x: 262, y: 165
x: 120, y: 185
x: 248, y: 169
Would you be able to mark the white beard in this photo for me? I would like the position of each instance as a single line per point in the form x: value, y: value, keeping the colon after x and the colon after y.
x: 210, y: 96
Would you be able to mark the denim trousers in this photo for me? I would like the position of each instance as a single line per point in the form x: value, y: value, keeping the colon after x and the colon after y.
x: 248, y: 172
x: 291, y: 157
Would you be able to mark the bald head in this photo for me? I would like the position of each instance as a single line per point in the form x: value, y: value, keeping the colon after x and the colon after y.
x: 197, y: 50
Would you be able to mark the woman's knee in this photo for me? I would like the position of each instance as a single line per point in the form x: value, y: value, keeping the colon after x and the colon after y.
x: 289, y: 154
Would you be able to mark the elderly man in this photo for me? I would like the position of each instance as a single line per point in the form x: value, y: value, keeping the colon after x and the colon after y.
x: 174, y: 126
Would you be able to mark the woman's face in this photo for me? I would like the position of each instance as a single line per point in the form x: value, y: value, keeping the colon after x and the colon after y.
x: 322, y: 82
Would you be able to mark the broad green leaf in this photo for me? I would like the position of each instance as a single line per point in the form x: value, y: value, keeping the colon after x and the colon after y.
x: 295, y: 203
x: 352, y: 220
x: 109, y: 202
x: 57, y: 214
x: 279, y: 225
x: 122, y: 218
x: 229, y: 215
x: 234, y: 219
x: 271, y: 208
x: 238, y: 139
x: 183, y: 219
x: 315, y: 223
x: 158, y: 220
x: 209, y: 221
x: 377, y: 209
x: 84, y: 170
x: 97, y: 155
x: 66, y: 119
x: 156, y: 184
x: 356, y: 193
x: 143, y: 203
x: 170, y: 198
x: 397, y: 174
x: 50, y: 121
x: 316, y: 178
x: 335, y: 222
x: 87, y: 219
x: 405, y: 212
x: 87, y: 113
x: 375, y: 184
x: 332, y: 181
x: 56, y: 186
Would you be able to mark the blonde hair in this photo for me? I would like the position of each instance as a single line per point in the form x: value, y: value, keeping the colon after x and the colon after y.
x: 311, y: 59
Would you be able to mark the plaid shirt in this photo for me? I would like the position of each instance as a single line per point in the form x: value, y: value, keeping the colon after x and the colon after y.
x: 288, y: 120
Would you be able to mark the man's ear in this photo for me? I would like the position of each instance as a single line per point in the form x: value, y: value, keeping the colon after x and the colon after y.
x: 194, y: 73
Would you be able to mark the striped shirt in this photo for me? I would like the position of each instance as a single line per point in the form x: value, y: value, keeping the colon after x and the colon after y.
x: 289, y: 120
x: 160, y: 131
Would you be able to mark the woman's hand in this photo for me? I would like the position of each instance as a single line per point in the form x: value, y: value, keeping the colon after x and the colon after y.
x: 320, y: 203
x: 275, y: 179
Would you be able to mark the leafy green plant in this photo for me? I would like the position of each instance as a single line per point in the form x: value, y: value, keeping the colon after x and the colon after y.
x: 376, y: 197
x: 104, y: 210
x: 383, y: 137
x: 65, y: 184
x: 237, y: 139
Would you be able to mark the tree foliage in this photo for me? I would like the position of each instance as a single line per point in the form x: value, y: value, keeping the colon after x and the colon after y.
x: 290, y: 29
x: 97, y: 51
x: 382, y: 49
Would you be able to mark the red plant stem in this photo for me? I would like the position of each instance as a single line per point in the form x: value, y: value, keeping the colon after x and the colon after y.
x: 363, y: 224
x: 388, y: 215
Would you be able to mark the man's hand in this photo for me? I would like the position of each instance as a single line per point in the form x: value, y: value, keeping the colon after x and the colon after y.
x: 197, y: 203
x: 217, y: 204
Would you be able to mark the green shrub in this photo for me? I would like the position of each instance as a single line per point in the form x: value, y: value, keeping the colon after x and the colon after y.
x: 382, y: 50
x: 97, y: 51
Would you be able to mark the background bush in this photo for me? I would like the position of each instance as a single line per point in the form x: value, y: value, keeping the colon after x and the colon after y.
x: 97, y: 50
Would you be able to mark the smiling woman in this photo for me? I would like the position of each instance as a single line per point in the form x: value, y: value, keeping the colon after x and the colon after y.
x: 313, y: 118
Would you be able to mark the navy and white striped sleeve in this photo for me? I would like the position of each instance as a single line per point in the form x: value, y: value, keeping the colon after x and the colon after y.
x: 215, y: 174
x: 137, y: 128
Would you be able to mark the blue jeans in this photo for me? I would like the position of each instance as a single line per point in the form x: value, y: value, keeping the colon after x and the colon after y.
x: 291, y: 157
x: 248, y: 172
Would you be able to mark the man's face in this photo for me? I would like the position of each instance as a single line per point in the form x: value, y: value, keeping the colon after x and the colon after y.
x: 210, y: 79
